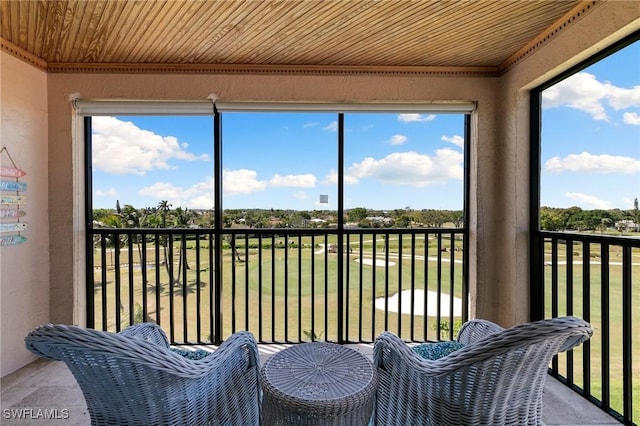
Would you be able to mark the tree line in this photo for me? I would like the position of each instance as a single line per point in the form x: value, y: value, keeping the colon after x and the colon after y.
x: 577, y: 219
x: 165, y: 216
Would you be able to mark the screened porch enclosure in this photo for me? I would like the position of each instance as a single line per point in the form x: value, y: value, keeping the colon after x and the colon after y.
x: 342, y: 270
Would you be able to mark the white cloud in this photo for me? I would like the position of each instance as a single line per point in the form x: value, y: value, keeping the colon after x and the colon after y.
x: 589, y: 200
x: 590, y: 163
x: 332, y: 127
x: 584, y: 92
x: 241, y: 181
x: 622, y: 98
x: 408, y: 118
x: 235, y: 182
x: 307, y: 125
x: 632, y: 118
x: 196, y: 196
x: 456, y: 140
x: 332, y: 179
x: 411, y: 168
x: 111, y: 192
x: 398, y: 139
x: 162, y: 191
x: 123, y: 148
x: 300, y: 181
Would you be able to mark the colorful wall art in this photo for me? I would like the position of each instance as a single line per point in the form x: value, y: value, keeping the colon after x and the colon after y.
x: 12, y: 202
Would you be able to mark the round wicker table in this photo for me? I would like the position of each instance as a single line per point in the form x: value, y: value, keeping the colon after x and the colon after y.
x: 318, y: 383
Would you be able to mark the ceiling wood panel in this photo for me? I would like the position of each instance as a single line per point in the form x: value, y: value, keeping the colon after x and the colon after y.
x: 299, y: 34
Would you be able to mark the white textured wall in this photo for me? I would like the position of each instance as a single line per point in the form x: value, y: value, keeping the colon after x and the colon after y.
x: 24, y: 268
x: 308, y: 88
x: 508, y: 289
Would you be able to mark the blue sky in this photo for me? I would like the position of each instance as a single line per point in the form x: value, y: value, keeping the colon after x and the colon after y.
x: 590, y: 153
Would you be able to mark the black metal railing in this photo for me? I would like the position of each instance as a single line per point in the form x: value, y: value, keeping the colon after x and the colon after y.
x: 595, y: 277
x: 284, y: 285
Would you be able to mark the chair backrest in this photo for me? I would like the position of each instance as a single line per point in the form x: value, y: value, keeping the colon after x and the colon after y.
x: 553, y: 335
x: 135, y: 378
x: 497, y: 378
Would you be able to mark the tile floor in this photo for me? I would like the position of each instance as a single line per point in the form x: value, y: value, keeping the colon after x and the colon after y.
x: 49, y: 385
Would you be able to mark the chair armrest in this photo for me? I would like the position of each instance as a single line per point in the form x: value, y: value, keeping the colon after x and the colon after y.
x: 475, y: 330
x: 578, y: 338
x: 148, y: 331
x: 391, y: 352
x: 239, y: 349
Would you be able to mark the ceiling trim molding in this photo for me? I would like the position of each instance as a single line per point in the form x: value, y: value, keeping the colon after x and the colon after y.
x: 271, y: 69
x: 556, y: 28
x: 20, y: 53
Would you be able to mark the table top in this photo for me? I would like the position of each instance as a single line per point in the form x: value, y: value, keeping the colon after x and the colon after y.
x: 318, y: 371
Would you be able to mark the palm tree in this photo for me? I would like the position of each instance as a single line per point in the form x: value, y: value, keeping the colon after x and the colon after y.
x: 183, y: 218
x: 114, y: 221
x: 131, y: 219
x: 164, y: 210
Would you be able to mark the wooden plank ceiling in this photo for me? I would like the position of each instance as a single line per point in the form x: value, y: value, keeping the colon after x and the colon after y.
x: 356, y: 35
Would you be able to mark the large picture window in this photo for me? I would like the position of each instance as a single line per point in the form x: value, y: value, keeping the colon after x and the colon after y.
x: 296, y: 224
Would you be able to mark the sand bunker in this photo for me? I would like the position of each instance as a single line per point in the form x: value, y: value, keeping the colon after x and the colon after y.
x: 379, y: 262
x: 419, y: 307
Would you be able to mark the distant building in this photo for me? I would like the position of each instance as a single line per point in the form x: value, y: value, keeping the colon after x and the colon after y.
x: 379, y: 219
x: 627, y: 226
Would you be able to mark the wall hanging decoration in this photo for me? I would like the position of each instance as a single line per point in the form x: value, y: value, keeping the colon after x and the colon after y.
x: 12, y: 199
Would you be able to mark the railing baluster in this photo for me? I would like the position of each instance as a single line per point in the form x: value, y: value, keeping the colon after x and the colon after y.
x: 143, y: 270
x: 157, y: 278
x: 373, y: 285
x: 347, y: 291
x: 198, y: 289
x: 273, y: 288
x: 452, y: 269
x: 183, y: 265
x: 605, y: 327
x: 172, y: 324
x: 627, y: 335
x: 130, y: 276
x: 399, y: 290
x: 569, y: 305
x: 426, y: 287
x: 232, y: 240
x: 361, y: 293
x: 439, y: 288
x: 116, y: 268
x: 300, y: 288
x: 586, y: 315
x: 326, y: 286
x: 386, y: 281
x: 286, y: 287
x: 212, y: 287
x: 260, y: 289
x: 246, y: 283
x: 313, y: 288
x: 103, y: 277
x: 413, y: 285
x: 613, y: 319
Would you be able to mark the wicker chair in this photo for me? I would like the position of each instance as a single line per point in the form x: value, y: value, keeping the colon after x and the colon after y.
x: 496, y: 378
x: 134, y: 378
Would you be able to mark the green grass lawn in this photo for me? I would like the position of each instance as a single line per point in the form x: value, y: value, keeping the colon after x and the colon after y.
x: 290, y: 298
